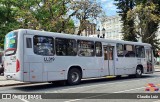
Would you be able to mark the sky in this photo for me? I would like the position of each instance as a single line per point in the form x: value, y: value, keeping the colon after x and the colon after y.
x: 109, y: 7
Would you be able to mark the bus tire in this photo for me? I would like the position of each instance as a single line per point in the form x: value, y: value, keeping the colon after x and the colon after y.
x: 58, y: 83
x: 118, y: 76
x: 138, y: 72
x: 74, y: 76
x: 132, y: 75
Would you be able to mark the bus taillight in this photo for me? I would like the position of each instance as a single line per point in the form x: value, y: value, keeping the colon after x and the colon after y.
x: 17, y: 65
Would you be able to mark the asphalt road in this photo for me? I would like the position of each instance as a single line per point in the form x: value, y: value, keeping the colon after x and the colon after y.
x: 95, y: 90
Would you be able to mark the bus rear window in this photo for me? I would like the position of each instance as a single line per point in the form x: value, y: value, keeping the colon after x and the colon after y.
x: 10, y: 43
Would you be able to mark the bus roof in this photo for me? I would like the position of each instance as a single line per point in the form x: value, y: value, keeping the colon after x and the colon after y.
x: 71, y: 36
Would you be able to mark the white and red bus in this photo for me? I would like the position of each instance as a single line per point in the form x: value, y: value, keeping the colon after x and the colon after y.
x: 40, y: 56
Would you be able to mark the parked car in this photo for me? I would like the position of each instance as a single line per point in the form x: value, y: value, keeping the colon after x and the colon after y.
x: 1, y: 64
x: 1, y: 69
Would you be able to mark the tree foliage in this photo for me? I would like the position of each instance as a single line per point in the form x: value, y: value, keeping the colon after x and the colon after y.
x: 49, y: 15
x: 128, y: 30
x: 140, y: 19
x: 7, y: 18
x: 34, y: 14
x: 45, y: 14
x: 85, y: 10
x: 147, y: 19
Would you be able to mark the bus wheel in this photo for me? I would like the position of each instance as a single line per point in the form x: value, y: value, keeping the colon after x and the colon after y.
x: 74, y: 76
x: 139, y: 72
x: 58, y: 83
x: 118, y: 76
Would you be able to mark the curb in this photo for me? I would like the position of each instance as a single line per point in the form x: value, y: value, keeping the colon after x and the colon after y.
x: 110, y: 76
x: 16, y: 84
x: 157, y: 69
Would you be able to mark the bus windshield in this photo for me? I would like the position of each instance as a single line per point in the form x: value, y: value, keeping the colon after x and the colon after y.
x: 10, y: 43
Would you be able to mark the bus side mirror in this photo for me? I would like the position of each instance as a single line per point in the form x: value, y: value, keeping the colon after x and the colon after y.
x: 103, y: 35
x: 98, y: 35
x: 155, y: 61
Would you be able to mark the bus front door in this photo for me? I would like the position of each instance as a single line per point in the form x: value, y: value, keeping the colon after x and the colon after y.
x: 149, y: 58
x: 108, y: 51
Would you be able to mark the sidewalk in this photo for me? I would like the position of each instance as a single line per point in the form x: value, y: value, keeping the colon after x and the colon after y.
x: 157, y: 68
x: 4, y: 82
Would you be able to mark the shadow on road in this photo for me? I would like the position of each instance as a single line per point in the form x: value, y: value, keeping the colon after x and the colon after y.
x: 47, y: 86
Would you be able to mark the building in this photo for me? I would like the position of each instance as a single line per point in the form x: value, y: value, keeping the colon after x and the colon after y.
x: 90, y: 29
x: 113, y: 27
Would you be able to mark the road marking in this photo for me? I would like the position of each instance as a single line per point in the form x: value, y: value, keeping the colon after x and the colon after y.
x: 111, y: 93
x: 97, y: 85
x: 110, y: 76
x: 105, y: 94
x: 73, y: 100
x: 157, y: 101
x: 24, y: 100
x: 129, y: 90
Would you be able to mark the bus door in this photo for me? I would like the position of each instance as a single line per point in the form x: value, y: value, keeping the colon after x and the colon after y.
x: 149, y: 59
x: 108, y: 51
x: 32, y: 70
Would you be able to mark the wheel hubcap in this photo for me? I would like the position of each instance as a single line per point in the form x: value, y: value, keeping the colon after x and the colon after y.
x: 75, y: 77
x: 139, y: 72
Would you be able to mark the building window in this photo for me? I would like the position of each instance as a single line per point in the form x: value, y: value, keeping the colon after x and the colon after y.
x: 43, y: 45
x: 85, y: 48
x: 66, y: 47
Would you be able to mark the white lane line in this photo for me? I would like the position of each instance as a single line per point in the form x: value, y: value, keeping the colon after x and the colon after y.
x: 97, y: 85
x: 157, y: 101
x: 73, y: 100
x: 105, y: 94
x: 24, y: 100
x: 129, y: 90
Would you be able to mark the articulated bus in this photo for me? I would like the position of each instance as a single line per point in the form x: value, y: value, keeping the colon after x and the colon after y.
x: 40, y: 56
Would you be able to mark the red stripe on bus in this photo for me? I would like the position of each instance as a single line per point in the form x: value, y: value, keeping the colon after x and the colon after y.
x: 10, y: 49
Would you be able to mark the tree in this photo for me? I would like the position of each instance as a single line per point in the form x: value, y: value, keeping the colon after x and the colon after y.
x: 147, y: 19
x: 45, y: 14
x: 85, y: 10
x: 128, y: 29
x: 35, y: 14
x: 7, y: 18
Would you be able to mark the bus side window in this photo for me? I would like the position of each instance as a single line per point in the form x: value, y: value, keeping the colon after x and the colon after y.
x: 120, y: 50
x: 98, y: 49
x: 129, y: 51
x: 105, y: 54
x: 29, y: 42
x: 43, y: 45
x: 66, y: 47
x: 86, y: 48
x: 140, y: 52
